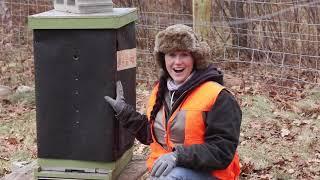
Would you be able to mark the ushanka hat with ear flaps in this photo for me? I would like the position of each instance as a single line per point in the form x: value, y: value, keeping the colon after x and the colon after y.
x: 181, y: 37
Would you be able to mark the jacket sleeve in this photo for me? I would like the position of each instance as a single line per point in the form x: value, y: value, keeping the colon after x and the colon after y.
x: 221, y: 137
x: 136, y: 123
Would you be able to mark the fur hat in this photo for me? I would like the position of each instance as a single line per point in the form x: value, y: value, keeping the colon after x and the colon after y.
x: 181, y: 37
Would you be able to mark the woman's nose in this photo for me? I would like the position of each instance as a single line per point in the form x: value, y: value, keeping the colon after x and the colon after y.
x: 177, y: 60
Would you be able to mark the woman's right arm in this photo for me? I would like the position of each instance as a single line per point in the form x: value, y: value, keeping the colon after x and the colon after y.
x: 136, y: 123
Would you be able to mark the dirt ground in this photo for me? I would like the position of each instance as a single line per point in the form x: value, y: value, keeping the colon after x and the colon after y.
x: 279, y: 135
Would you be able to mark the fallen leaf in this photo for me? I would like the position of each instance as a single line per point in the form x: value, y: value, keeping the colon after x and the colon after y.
x: 290, y: 171
x: 12, y: 141
x: 280, y: 162
x: 272, y: 94
x: 255, y: 125
x: 297, y: 122
x: 285, y: 132
x: 266, y: 177
x: 247, y: 168
x: 4, y: 158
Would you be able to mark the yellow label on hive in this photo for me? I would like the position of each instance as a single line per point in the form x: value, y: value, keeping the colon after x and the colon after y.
x: 126, y: 59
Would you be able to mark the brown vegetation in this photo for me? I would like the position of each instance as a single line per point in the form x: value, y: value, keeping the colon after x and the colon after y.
x: 267, y: 49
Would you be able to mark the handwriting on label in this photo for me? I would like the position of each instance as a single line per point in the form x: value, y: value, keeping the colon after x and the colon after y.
x: 126, y: 59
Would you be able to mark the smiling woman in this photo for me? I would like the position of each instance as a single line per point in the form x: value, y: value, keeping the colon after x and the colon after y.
x: 192, y: 122
x: 179, y: 65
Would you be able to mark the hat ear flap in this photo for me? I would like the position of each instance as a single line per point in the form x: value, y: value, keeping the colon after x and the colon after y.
x: 161, y: 65
x: 159, y: 56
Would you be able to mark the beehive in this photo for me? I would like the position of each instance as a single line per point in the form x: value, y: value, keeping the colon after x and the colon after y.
x: 78, y: 60
x: 83, y: 6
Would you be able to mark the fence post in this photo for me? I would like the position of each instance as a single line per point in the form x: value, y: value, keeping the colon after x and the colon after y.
x: 202, y: 17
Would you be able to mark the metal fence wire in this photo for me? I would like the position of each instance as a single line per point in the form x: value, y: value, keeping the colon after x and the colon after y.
x: 276, y: 41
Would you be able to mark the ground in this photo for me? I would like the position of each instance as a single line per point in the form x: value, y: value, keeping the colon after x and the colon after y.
x: 279, y: 135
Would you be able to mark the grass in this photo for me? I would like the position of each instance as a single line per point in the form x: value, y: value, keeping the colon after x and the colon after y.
x: 257, y: 107
x: 279, y: 156
x: 25, y: 98
x: 19, y: 137
x: 17, y: 131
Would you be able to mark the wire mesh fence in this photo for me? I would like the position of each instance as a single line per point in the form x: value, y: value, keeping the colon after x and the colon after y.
x: 276, y: 41
x: 16, y: 64
x: 14, y: 14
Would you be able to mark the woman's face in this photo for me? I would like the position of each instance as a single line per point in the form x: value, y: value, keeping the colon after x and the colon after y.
x: 179, y: 65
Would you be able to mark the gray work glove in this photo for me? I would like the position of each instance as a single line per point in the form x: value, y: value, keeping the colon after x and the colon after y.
x: 164, y: 164
x: 117, y: 104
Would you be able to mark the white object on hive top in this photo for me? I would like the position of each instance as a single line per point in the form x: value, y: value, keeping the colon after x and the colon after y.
x: 83, y: 6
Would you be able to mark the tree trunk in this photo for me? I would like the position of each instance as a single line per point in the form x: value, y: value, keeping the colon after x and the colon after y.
x: 202, y: 17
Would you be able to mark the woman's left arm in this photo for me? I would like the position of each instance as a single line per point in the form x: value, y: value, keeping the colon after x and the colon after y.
x: 221, y: 137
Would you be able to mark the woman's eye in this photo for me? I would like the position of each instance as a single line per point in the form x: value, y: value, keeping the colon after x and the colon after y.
x: 184, y: 54
x: 172, y: 54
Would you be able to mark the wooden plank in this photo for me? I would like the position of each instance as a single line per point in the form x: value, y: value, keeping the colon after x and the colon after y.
x: 134, y: 170
x: 202, y: 11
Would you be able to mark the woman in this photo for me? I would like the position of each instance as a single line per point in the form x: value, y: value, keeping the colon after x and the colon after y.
x: 192, y: 122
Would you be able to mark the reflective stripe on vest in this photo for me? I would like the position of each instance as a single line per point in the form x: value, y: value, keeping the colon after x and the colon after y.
x: 198, y: 101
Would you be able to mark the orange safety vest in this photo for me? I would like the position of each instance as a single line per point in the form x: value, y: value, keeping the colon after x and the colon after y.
x: 198, y: 101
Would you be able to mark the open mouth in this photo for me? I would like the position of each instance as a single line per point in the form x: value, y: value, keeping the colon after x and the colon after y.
x: 178, y: 70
